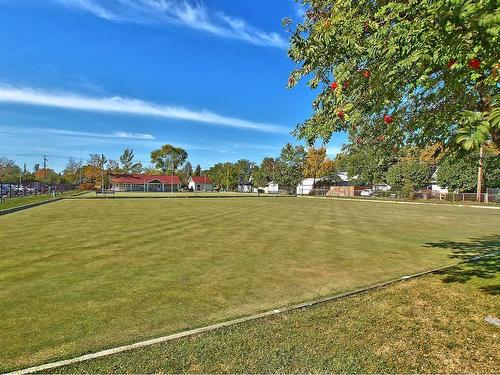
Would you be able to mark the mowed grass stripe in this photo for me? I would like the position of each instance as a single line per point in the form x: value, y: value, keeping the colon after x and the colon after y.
x: 433, y: 324
x: 81, y: 276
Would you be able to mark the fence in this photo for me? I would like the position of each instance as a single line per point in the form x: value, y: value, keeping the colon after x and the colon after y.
x: 15, y: 190
x: 490, y: 196
x: 339, y: 191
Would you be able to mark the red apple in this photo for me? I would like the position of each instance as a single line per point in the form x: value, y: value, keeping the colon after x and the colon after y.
x: 387, y: 119
x: 334, y: 85
x: 475, y: 64
x: 367, y: 73
x: 340, y: 114
x: 451, y: 63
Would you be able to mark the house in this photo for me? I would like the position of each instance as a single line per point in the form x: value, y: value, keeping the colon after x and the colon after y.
x: 434, y: 187
x: 271, y: 188
x: 200, y: 183
x: 142, y: 182
x: 306, y: 185
x: 246, y: 187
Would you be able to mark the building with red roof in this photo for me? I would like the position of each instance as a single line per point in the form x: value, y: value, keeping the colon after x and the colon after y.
x: 143, y: 182
x: 200, y: 183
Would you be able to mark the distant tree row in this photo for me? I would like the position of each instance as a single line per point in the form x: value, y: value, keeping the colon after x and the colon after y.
x: 98, y: 168
x: 408, y: 168
x: 412, y: 167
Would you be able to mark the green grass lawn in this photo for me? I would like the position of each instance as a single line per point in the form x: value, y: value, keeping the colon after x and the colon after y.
x: 141, y: 194
x: 433, y: 324
x: 79, y: 276
x: 22, y: 201
x: 29, y: 199
x: 419, y: 200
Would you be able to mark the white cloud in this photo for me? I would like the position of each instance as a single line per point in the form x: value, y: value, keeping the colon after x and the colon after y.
x: 9, y: 131
x: 186, y: 13
x: 130, y: 106
x: 300, y: 10
x: 122, y: 134
x: 115, y: 135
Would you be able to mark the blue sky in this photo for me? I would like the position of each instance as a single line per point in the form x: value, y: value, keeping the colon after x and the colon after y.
x: 97, y: 76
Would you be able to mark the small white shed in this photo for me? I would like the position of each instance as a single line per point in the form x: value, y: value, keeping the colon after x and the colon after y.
x: 200, y: 183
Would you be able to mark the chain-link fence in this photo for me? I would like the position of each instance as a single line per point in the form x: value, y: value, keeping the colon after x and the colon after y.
x: 489, y: 196
x: 15, y: 190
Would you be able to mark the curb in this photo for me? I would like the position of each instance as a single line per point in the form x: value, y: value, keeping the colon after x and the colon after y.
x: 191, y: 332
x: 26, y: 206
x: 401, y: 202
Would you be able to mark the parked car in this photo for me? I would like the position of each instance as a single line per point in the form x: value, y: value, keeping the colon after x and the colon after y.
x: 366, y: 192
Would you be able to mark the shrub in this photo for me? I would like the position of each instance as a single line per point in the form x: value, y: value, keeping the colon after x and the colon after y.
x: 86, y: 186
x: 408, y: 191
x: 411, y: 172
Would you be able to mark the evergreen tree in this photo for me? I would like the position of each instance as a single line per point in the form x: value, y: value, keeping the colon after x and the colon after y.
x: 197, y: 171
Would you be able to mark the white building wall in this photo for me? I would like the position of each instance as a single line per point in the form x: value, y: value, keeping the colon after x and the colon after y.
x: 203, y: 187
x: 305, y: 186
x: 272, y: 188
x: 438, y: 189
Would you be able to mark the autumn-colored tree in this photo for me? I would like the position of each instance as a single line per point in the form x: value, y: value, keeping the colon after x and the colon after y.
x: 47, y: 176
x: 317, y: 163
x: 92, y: 175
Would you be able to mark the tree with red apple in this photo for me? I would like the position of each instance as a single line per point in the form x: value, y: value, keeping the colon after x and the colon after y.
x: 416, y: 72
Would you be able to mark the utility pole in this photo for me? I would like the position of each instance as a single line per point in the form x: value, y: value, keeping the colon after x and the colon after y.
x: 102, y: 174
x: 480, y: 175
x: 20, y: 180
x: 45, y: 160
x: 172, y: 178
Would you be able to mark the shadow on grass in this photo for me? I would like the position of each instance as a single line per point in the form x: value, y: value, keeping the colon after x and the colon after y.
x: 485, y: 268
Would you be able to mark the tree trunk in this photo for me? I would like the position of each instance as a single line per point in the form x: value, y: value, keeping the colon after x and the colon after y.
x: 480, y: 175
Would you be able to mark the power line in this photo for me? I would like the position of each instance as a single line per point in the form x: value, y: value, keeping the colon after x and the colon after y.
x: 38, y: 155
